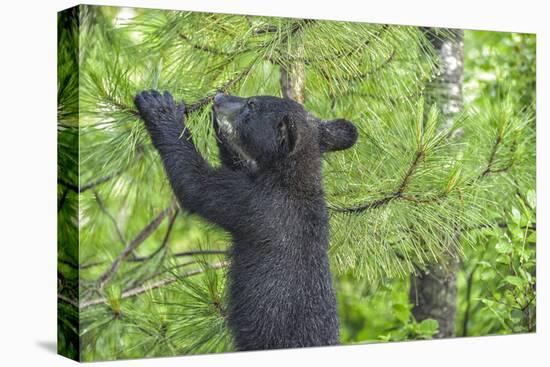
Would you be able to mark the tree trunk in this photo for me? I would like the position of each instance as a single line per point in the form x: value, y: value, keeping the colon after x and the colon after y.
x: 293, y: 76
x: 433, y: 293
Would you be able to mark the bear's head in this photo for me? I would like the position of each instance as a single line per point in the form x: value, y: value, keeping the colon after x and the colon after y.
x: 262, y: 129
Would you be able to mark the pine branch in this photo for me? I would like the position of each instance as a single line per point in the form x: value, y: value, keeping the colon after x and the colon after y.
x: 92, y: 184
x: 297, y: 26
x: 183, y: 254
x: 62, y: 200
x: 200, y: 252
x: 164, y: 242
x: 150, y: 286
x: 419, y: 155
x: 203, y: 102
x: 492, y: 157
x: 111, y: 218
x: 267, y: 29
x: 397, y: 194
x: 146, y: 258
x: 167, y: 270
x: 120, y: 106
x: 488, y: 170
x: 196, y: 106
x: 138, y: 240
x: 68, y: 300
x: 68, y: 185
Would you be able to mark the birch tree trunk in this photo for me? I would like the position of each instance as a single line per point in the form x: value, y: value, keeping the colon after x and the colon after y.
x: 433, y: 293
x: 292, y: 77
x: 292, y: 82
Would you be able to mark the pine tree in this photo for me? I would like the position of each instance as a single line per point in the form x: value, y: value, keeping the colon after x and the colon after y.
x: 151, y: 276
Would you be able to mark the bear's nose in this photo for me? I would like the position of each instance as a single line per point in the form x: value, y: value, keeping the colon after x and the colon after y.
x: 218, y: 98
x: 227, y: 105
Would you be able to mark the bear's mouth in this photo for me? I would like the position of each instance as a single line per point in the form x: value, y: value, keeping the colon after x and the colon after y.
x: 228, y: 136
x: 225, y: 127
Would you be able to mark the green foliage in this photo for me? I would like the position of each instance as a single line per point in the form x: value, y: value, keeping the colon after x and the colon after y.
x: 381, y: 314
x: 151, y: 278
x: 67, y: 167
x: 497, y: 56
x: 499, y: 281
x: 425, y: 329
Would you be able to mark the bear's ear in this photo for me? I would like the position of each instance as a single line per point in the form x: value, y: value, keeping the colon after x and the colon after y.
x: 336, y: 135
x: 287, y: 135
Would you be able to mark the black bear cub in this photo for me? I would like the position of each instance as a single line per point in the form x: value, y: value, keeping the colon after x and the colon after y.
x: 268, y: 194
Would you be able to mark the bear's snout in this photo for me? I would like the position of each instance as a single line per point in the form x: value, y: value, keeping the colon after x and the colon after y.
x: 227, y: 106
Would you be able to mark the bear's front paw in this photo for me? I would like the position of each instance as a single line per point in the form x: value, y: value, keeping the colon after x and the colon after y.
x: 159, y: 111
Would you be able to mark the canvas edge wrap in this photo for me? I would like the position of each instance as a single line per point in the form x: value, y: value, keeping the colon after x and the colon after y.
x: 68, y: 272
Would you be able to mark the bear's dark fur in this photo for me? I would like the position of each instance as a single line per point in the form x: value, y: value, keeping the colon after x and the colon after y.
x: 268, y: 194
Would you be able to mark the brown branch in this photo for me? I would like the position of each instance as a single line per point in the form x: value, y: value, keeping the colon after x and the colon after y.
x: 138, y: 240
x: 102, y: 207
x: 120, y: 105
x: 162, y: 247
x: 68, y: 300
x: 297, y: 26
x: 68, y: 185
x: 501, y: 169
x: 367, y: 206
x: 81, y: 267
x: 68, y: 263
x: 168, y: 270
x: 492, y: 157
x: 397, y: 194
x: 92, y: 184
x: 191, y: 108
x: 183, y: 254
x: 426, y: 200
x: 203, y: 102
x: 200, y: 252
x: 150, y: 286
x: 164, y: 242
x: 266, y: 29
x: 491, y: 161
x: 419, y: 155
x: 145, y: 258
x: 91, y: 265
x: 61, y: 201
